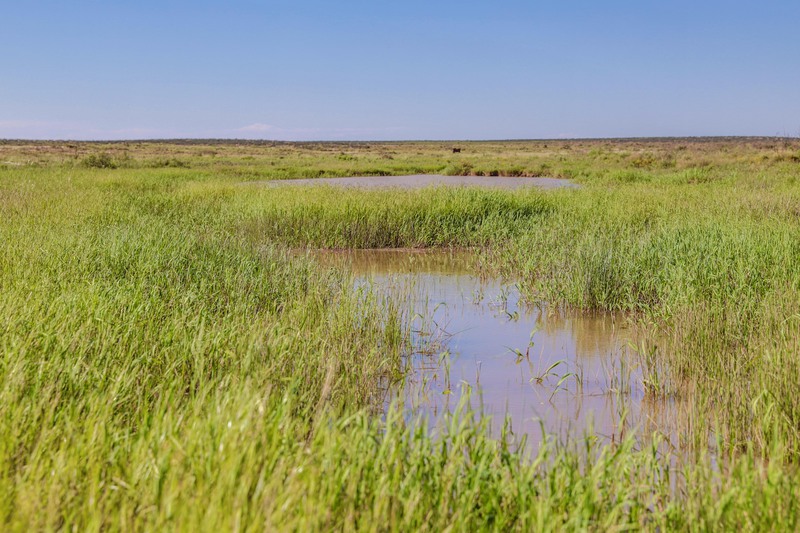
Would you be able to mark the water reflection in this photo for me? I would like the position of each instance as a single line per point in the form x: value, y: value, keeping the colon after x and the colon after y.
x: 419, y: 181
x: 565, y: 372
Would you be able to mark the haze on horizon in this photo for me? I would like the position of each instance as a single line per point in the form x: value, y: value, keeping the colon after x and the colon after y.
x: 358, y: 70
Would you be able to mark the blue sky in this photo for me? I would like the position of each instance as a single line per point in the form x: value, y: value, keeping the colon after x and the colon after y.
x: 307, y: 70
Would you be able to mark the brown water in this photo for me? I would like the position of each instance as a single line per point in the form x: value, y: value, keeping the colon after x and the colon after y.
x: 417, y: 181
x: 568, y: 373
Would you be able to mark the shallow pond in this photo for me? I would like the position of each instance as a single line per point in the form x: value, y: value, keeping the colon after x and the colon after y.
x: 417, y: 181
x: 566, y: 373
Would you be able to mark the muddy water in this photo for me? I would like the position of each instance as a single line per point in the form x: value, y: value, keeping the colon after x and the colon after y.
x: 417, y: 181
x: 566, y: 373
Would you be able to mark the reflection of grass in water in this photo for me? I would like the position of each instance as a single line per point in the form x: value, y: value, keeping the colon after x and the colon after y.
x: 167, y: 365
x: 715, y: 287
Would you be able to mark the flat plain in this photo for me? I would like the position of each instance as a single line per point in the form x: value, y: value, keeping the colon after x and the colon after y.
x: 170, y: 361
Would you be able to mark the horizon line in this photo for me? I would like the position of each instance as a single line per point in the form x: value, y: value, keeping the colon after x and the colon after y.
x: 389, y: 141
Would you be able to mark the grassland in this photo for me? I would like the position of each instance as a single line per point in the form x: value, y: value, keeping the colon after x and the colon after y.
x: 168, y: 364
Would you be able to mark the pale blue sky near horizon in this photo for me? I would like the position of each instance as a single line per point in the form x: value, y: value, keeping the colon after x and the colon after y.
x: 380, y: 70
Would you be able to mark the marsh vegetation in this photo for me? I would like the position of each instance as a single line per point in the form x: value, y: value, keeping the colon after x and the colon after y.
x: 172, y: 358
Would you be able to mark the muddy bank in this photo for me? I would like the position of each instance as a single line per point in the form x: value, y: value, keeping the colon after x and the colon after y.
x: 418, y: 181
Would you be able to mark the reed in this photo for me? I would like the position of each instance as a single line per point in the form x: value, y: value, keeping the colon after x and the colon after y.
x: 169, y: 363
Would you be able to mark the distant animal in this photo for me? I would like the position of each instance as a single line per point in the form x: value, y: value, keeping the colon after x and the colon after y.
x: 456, y: 150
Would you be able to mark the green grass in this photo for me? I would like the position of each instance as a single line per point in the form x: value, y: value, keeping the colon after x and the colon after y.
x: 169, y: 363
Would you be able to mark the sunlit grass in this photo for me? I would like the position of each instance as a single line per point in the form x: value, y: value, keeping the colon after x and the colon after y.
x: 168, y: 363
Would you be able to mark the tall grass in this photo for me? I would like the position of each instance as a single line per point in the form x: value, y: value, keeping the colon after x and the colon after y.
x: 718, y: 281
x: 168, y: 363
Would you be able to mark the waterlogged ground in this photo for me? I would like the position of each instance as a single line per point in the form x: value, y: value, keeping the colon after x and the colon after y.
x: 567, y: 373
x: 165, y: 367
x: 418, y: 181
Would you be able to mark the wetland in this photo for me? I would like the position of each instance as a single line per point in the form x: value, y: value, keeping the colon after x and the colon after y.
x: 421, y: 181
x: 530, y: 369
x: 185, y: 350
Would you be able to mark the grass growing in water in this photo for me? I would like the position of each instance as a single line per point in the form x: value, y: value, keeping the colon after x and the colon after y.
x: 167, y: 364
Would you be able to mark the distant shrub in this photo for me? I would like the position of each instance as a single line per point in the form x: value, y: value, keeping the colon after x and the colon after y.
x: 101, y: 160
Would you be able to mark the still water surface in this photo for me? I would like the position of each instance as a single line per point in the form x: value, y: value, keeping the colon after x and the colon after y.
x: 419, y: 181
x: 565, y: 372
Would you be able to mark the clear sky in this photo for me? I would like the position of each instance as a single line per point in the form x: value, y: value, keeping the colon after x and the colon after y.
x: 371, y: 70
